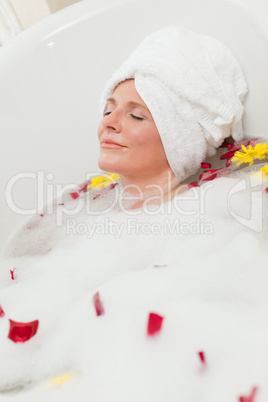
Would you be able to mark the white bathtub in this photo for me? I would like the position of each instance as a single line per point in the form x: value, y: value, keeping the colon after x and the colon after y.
x: 51, y: 77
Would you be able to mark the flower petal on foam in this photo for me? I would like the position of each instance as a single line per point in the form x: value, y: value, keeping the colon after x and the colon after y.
x: 60, y: 380
x: 154, y: 323
x: 98, y: 304
x: 213, y: 173
x: 205, y: 165
x: 229, y: 154
x: 250, y: 398
x: 74, y: 195
x: 202, y: 357
x: 84, y: 187
x: 264, y: 169
x: 260, y: 151
x: 102, y: 181
x: 12, y: 274
x: 20, y: 332
x: 193, y: 184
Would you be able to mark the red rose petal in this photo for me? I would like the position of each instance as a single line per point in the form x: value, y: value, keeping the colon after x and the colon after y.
x: 98, y: 305
x: 226, y: 144
x: 1, y: 312
x: 266, y: 189
x: 228, y: 162
x: 230, y: 154
x: 61, y: 203
x: 202, y: 357
x: 193, y: 184
x: 213, y: 173
x: 250, y: 398
x: 96, y: 196
x: 74, y: 195
x: 208, y: 174
x: 113, y: 186
x: 22, y: 332
x: 154, y: 323
x: 12, y: 274
x: 205, y: 165
x: 84, y: 186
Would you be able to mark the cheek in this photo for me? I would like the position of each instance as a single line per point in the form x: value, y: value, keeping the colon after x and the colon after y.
x: 100, y: 130
x: 151, y: 140
x: 144, y: 138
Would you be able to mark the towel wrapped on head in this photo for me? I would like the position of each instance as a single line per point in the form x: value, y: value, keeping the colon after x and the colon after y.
x: 194, y: 88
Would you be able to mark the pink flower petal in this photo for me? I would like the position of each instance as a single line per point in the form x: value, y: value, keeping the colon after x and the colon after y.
x: 193, y: 184
x: 74, y: 195
x: 2, y: 313
x: 98, y: 305
x: 154, y: 323
x: 205, y: 165
x: 12, y: 274
x: 228, y: 162
x: 202, y: 357
x: 22, y: 332
x: 250, y: 398
x: 160, y: 266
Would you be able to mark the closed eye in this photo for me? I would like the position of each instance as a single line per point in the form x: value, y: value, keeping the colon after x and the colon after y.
x: 136, y: 117
x: 132, y: 115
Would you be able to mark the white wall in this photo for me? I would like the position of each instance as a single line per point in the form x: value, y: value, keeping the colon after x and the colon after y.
x: 28, y: 12
x: 17, y: 15
x: 259, y: 10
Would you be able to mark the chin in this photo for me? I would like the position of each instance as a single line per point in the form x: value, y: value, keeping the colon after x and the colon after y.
x: 108, y: 166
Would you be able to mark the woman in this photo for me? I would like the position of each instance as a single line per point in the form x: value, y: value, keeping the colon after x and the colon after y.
x: 154, y: 303
x: 131, y: 145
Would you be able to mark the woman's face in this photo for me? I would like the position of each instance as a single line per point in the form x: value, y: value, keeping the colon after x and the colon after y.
x: 130, y: 144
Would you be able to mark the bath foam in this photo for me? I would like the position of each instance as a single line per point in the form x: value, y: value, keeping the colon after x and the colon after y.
x: 198, y: 262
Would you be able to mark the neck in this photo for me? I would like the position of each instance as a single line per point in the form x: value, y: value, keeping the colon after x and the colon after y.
x: 150, y: 189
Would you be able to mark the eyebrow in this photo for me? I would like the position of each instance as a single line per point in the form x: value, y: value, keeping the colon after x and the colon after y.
x: 131, y: 103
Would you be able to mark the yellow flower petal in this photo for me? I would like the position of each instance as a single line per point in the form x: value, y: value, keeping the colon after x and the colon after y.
x: 260, y: 151
x: 61, y: 379
x: 102, y: 181
x: 264, y: 169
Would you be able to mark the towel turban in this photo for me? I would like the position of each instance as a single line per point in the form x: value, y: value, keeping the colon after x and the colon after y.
x: 194, y: 88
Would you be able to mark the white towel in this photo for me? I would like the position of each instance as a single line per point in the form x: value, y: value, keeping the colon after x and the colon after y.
x: 193, y: 87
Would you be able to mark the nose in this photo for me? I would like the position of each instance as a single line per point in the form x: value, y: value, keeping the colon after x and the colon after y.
x: 113, y: 121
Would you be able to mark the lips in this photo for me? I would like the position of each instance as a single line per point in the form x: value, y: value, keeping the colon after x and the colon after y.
x: 108, y: 143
